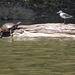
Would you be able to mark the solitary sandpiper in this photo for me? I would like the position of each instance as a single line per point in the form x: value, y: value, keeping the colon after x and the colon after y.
x: 64, y: 15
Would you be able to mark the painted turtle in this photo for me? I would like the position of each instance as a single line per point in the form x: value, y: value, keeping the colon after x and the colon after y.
x: 8, y: 27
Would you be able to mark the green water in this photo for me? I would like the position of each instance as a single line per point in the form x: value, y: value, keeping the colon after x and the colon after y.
x: 40, y: 57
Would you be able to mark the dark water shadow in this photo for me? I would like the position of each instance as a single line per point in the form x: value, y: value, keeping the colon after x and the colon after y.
x: 40, y: 20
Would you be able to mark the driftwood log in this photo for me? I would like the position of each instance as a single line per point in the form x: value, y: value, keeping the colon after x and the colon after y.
x: 48, y: 30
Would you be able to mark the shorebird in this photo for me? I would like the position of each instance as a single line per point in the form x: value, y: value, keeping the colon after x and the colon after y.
x: 64, y: 15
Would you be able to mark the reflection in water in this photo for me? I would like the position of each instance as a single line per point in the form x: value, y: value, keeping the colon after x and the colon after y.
x: 7, y: 39
x: 10, y: 40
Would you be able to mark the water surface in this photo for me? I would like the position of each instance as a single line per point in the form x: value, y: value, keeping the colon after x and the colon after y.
x: 39, y: 57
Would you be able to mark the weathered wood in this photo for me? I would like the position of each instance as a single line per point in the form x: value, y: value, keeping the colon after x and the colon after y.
x: 50, y: 30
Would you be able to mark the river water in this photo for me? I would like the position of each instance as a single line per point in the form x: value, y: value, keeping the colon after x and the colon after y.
x: 23, y: 22
x: 39, y: 57
x: 54, y: 19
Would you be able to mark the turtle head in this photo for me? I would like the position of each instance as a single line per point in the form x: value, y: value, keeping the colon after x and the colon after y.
x: 18, y: 23
x: 1, y: 33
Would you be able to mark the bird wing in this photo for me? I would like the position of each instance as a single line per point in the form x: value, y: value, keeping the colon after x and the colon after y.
x: 66, y: 15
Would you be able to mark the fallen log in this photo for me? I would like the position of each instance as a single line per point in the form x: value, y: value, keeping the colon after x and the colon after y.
x: 48, y: 30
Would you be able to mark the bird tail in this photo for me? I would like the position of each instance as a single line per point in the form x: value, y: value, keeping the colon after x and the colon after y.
x: 73, y: 17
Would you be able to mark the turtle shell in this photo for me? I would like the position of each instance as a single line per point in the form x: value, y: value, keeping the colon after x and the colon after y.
x: 7, y: 26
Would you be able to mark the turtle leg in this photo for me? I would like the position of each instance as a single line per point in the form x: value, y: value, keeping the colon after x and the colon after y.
x: 11, y: 32
x: 1, y: 33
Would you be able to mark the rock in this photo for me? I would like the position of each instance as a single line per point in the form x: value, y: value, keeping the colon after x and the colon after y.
x: 22, y: 13
x: 16, y: 13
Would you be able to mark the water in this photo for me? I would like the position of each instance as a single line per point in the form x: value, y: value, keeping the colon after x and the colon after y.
x: 51, y: 19
x: 39, y: 57
x: 23, y: 22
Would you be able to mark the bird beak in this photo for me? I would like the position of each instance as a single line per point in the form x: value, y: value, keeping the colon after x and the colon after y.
x: 57, y: 13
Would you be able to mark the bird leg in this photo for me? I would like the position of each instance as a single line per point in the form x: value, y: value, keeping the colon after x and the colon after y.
x: 64, y: 21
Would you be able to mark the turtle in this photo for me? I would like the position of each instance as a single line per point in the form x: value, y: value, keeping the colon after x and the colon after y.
x: 8, y: 27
